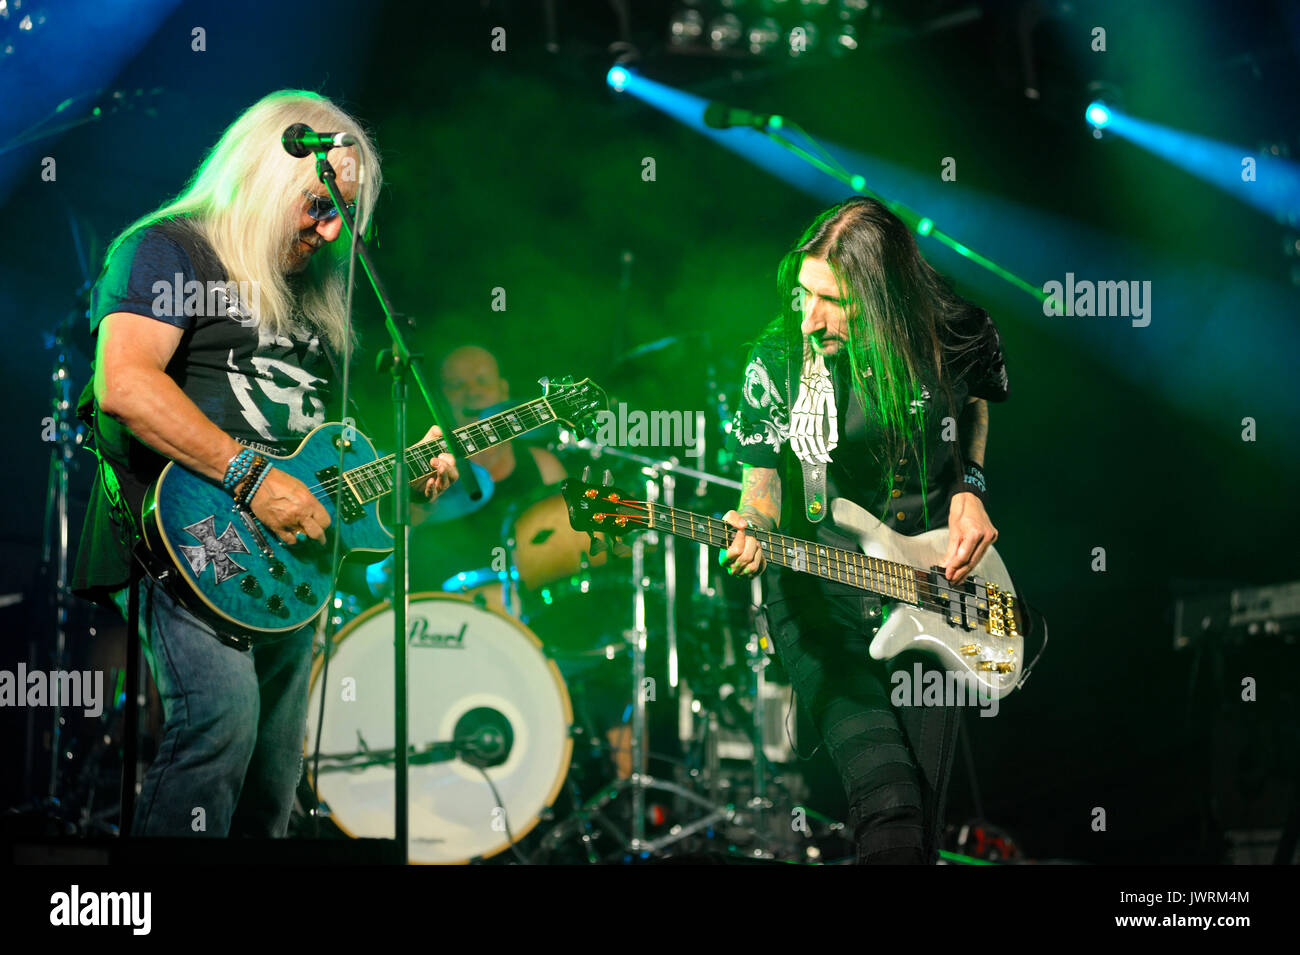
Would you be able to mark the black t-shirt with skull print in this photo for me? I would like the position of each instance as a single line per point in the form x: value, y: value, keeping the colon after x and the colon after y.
x: 789, y: 412
x: 263, y: 390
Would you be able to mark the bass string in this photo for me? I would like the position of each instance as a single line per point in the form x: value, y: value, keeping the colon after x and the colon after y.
x: 718, y: 532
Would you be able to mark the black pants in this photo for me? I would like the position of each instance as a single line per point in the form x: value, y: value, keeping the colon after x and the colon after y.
x: 894, y: 762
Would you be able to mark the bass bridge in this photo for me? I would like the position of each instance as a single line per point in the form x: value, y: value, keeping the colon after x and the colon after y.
x: 976, y: 604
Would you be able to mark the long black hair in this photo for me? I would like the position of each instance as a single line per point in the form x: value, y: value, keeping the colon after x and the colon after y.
x: 908, y: 331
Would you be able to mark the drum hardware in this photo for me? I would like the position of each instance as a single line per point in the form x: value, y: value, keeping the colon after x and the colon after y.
x: 639, y: 783
x: 570, y: 442
x: 549, y: 569
x: 757, y: 660
x: 68, y: 435
x: 733, y: 750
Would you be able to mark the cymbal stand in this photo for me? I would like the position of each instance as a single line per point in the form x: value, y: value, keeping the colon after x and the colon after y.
x: 54, y: 552
x: 640, y: 782
x: 706, y: 727
x: 669, y: 483
x: 756, y: 657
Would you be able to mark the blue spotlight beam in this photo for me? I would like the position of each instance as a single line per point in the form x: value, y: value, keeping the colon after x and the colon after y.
x: 1269, y: 184
x: 689, y: 109
x: 41, y: 131
x: 921, y: 225
x: 55, y: 72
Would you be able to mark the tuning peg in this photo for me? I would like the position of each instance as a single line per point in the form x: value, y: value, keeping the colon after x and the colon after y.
x: 586, y: 474
x: 608, y: 479
x: 596, y: 546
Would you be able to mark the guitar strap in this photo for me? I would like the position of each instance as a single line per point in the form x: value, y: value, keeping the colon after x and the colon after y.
x: 814, y: 432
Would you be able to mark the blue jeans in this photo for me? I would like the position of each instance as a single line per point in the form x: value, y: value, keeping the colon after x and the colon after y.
x: 230, y: 756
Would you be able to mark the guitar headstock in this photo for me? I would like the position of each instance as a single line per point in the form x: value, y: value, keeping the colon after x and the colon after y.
x: 602, y: 507
x: 577, y: 404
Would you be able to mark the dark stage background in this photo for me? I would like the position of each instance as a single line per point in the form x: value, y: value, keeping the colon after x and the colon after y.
x: 522, y: 170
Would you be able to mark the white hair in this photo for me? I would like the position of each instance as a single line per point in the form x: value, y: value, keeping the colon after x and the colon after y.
x: 247, y: 197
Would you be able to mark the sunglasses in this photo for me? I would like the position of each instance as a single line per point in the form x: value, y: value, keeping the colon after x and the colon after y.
x: 322, y: 207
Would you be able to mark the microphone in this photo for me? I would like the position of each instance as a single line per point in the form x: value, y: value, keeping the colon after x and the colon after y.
x: 721, y: 116
x: 301, y: 140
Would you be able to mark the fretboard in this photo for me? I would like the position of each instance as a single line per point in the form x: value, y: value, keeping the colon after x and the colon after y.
x: 372, y: 481
x: 872, y: 574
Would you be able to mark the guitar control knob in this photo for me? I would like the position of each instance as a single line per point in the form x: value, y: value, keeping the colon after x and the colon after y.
x: 274, y: 602
x: 249, y: 585
x: 303, y: 592
x: 277, y: 569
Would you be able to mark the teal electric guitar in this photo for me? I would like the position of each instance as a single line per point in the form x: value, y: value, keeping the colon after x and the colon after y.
x: 238, y: 573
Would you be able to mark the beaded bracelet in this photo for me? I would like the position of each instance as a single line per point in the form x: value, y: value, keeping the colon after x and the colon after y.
x: 252, y: 491
x: 237, y: 469
x: 256, y: 470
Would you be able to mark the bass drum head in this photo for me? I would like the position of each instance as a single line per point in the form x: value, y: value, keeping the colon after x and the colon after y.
x: 463, y: 659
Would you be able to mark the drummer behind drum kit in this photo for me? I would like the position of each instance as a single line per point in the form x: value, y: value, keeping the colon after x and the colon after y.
x: 493, y: 764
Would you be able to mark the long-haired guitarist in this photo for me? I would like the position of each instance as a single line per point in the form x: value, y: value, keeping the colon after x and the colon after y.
x: 872, y: 385
x: 219, y: 321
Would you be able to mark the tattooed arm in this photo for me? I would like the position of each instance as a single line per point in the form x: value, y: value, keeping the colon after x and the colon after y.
x: 760, y: 506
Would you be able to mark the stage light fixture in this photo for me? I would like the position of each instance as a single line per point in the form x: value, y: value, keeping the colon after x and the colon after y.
x: 846, y: 40
x: 1098, y: 114
x: 725, y: 32
x: 617, y: 78
x: 686, y: 27
x: 764, y: 35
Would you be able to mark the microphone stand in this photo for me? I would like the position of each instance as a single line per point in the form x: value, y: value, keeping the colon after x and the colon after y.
x: 921, y: 225
x: 404, y: 367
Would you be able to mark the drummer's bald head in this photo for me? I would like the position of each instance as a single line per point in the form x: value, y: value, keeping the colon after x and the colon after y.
x: 470, y: 358
x: 471, y: 380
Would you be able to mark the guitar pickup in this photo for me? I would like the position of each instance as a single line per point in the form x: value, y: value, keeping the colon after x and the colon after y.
x: 350, y: 509
x: 962, y: 600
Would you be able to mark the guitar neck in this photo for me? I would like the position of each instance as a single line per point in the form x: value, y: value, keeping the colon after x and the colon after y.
x: 374, y: 480
x: 871, y: 574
